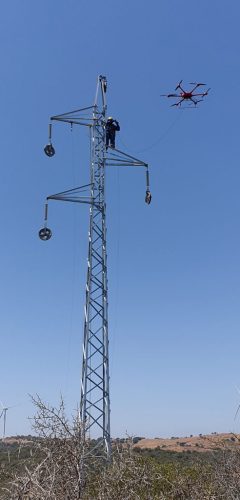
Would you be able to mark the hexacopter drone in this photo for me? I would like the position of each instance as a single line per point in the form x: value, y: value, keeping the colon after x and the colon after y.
x: 189, y: 95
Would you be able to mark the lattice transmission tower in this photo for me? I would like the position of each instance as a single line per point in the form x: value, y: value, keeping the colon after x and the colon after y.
x: 95, y: 398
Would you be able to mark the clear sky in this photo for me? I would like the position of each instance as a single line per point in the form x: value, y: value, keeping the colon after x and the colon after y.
x: 174, y: 278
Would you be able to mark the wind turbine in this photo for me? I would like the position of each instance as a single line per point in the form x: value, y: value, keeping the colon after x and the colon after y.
x: 4, y: 415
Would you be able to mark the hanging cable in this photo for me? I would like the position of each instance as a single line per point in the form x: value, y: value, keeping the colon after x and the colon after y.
x: 117, y: 275
x: 151, y: 146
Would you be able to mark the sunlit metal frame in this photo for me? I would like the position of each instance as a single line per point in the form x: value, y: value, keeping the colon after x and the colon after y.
x: 95, y: 394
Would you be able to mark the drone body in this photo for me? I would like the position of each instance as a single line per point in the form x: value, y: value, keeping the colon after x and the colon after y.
x: 192, y: 96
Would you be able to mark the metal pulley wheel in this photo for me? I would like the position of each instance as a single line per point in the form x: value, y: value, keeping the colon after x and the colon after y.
x: 49, y: 150
x: 45, y: 234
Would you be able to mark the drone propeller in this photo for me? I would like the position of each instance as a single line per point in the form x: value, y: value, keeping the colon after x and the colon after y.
x: 169, y: 95
x: 196, y: 83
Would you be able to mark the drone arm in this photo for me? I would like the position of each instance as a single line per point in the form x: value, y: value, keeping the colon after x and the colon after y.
x: 179, y: 86
x: 194, y: 101
x: 194, y: 88
x: 199, y: 94
x: 178, y: 103
x: 197, y: 85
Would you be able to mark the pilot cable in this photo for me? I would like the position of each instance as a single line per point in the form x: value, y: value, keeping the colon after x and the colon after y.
x: 69, y: 338
x: 117, y: 277
x: 160, y: 139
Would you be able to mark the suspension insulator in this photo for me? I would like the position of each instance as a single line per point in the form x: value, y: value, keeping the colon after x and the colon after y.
x: 45, y: 234
x: 49, y: 150
x: 147, y: 179
x: 50, y: 132
x: 46, y: 212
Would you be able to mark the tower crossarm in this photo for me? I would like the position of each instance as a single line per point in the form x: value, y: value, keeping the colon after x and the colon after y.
x: 115, y: 157
x: 82, y: 116
x: 74, y: 195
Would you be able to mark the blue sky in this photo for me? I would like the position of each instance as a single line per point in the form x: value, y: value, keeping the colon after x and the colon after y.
x: 174, y: 280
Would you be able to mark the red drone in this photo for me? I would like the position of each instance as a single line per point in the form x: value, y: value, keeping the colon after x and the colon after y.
x: 189, y: 95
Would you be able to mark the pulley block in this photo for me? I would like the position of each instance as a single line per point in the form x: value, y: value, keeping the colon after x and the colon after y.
x: 45, y: 234
x: 49, y: 150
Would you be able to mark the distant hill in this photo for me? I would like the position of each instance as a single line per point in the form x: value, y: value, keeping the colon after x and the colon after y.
x: 200, y: 443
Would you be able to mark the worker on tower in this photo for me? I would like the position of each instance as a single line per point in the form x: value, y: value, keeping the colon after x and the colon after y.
x: 112, y: 126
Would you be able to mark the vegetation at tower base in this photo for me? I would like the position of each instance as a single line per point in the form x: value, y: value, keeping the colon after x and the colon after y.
x: 58, y: 465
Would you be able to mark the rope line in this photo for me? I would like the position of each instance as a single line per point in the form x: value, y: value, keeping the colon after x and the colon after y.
x: 162, y: 136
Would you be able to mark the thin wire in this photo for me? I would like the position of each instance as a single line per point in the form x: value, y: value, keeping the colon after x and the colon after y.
x: 162, y: 136
x: 73, y: 275
x: 89, y: 360
x: 114, y: 328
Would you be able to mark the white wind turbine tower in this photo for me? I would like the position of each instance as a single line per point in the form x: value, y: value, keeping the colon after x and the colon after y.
x: 238, y: 408
x: 4, y: 415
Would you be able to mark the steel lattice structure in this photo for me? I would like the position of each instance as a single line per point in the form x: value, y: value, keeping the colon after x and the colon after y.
x: 95, y: 397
